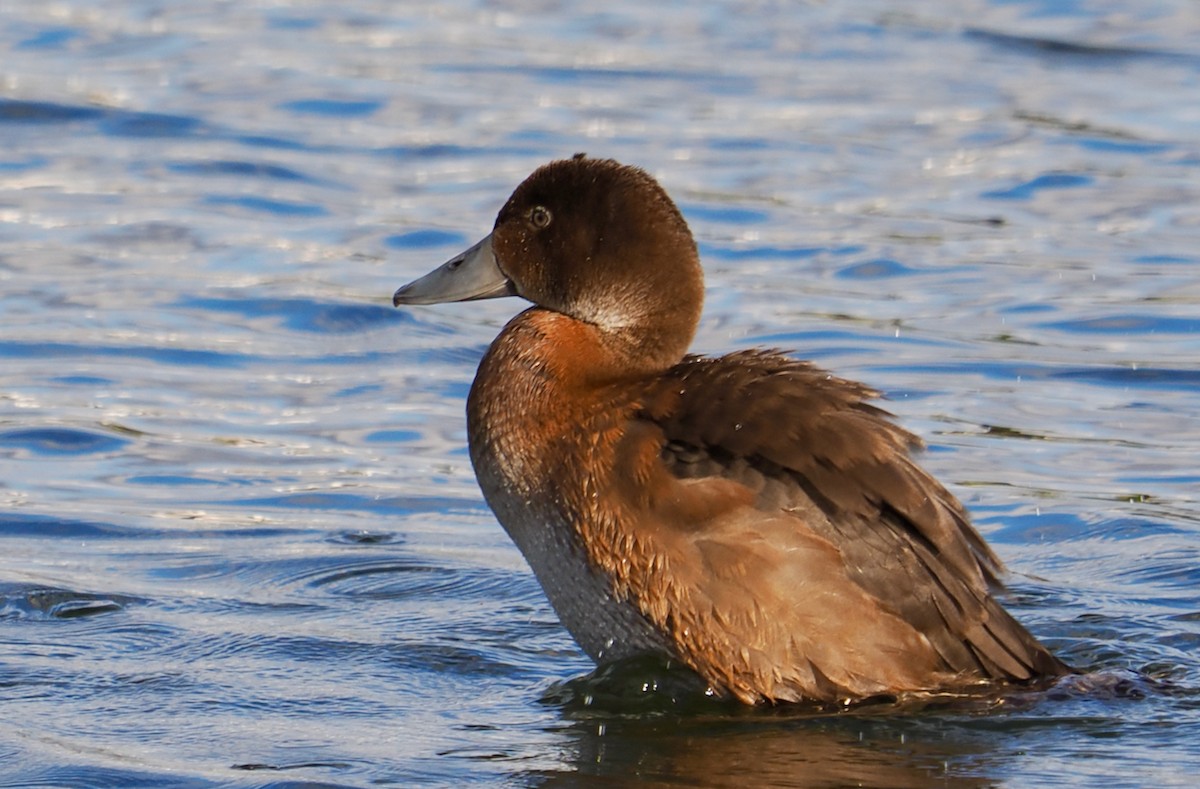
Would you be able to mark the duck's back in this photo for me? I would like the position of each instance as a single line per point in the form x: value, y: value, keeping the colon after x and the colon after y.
x: 828, y: 468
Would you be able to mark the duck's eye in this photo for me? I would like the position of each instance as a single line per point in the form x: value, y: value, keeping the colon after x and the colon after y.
x: 540, y: 216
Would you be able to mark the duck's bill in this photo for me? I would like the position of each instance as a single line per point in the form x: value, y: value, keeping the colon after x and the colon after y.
x: 468, y: 276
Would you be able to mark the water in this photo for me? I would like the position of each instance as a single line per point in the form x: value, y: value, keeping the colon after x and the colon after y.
x: 240, y: 540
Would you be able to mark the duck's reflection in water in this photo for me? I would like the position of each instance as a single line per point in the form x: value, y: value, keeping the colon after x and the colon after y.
x: 807, y: 754
x: 645, y: 723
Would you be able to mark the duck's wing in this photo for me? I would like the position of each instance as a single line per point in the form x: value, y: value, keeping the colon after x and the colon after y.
x: 834, y: 490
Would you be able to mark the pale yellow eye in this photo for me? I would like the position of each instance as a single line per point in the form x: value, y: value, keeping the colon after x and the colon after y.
x: 540, y: 217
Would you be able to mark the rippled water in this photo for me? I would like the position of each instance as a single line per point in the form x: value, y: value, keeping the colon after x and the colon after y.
x: 240, y: 540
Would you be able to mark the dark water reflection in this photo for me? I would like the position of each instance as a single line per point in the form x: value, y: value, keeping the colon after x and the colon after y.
x: 240, y: 540
x: 811, y: 755
x: 960, y: 742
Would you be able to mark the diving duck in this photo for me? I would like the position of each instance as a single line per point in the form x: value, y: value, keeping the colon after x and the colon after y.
x: 750, y: 515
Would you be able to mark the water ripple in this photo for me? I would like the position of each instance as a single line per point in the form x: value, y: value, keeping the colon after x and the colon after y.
x: 1128, y: 324
x: 51, y: 527
x: 282, y: 208
x: 338, y: 108
x: 396, y: 505
x: 104, y: 777
x: 59, y: 441
x: 274, y: 172
x: 1149, y: 376
x: 387, y: 579
x: 425, y: 239
x: 305, y: 315
x: 50, y: 603
x: 15, y: 111
x: 1061, y: 49
x: 1029, y: 189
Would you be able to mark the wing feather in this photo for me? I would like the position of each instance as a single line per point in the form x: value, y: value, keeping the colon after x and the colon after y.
x: 829, y: 468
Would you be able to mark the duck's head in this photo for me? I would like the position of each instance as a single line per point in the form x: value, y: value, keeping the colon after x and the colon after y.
x: 594, y: 240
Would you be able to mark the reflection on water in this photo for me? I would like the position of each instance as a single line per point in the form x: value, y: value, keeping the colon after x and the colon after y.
x: 812, y: 755
x: 240, y: 539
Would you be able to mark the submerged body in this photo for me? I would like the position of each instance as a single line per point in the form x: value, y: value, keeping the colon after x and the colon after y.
x: 750, y: 515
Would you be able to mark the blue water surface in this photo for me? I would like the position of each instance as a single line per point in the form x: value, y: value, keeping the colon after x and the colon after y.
x: 241, y: 543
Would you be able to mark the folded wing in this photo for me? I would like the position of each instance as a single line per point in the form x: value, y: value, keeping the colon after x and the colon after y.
x: 845, y: 570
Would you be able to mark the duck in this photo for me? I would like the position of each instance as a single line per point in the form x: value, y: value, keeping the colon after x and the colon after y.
x: 750, y: 516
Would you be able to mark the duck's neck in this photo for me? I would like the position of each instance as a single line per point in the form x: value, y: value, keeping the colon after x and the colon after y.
x: 543, y: 426
x: 541, y: 379
x: 642, y: 331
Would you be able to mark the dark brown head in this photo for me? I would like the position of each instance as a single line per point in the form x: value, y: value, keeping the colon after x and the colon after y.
x: 592, y: 239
